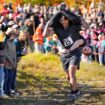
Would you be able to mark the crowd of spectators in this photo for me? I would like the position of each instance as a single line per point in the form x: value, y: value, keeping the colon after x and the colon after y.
x: 21, y: 32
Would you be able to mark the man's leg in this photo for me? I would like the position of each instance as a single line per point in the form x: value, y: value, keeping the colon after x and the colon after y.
x: 75, y: 93
x: 72, y: 75
x: 13, y: 84
x: 10, y: 78
x: 70, y: 67
x: 1, y: 80
x: 67, y: 75
x: 6, y: 81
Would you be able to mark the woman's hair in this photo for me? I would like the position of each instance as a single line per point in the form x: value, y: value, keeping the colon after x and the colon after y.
x: 21, y: 35
x: 64, y: 17
x: 73, y: 19
x: 57, y: 23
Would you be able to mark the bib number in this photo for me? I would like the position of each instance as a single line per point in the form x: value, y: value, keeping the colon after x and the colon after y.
x: 68, y: 41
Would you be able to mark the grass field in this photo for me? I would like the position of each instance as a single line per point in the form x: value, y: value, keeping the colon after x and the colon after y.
x: 41, y: 81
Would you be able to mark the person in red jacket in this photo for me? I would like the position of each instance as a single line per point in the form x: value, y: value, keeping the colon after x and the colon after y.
x: 38, y: 36
x: 5, y: 11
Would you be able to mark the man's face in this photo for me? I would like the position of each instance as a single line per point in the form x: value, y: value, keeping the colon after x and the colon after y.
x: 64, y: 21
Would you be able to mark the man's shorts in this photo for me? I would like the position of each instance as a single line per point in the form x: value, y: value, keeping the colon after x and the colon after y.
x: 72, y: 60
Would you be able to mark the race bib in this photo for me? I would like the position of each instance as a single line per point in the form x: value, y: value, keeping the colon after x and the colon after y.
x: 68, y: 41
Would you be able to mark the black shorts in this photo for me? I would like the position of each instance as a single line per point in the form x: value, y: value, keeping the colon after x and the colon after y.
x: 72, y: 60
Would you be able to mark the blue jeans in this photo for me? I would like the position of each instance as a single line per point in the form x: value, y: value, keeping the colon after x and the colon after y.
x: 13, y: 84
x: 9, y: 80
x: 101, y: 56
x: 1, y: 80
x: 101, y: 59
x: 31, y: 44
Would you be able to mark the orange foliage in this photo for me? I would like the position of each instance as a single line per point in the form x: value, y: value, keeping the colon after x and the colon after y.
x: 81, y: 2
x: 15, y: 3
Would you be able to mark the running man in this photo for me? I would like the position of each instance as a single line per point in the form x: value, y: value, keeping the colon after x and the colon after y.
x: 66, y: 27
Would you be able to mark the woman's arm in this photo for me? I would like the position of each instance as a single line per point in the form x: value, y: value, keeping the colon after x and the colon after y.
x: 48, y: 31
x: 84, y: 23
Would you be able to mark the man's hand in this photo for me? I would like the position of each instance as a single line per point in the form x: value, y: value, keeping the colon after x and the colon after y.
x: 64, y: 51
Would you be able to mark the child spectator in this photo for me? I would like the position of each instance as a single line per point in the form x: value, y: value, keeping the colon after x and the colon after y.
x: 55, y: 44
x: 48, y: 44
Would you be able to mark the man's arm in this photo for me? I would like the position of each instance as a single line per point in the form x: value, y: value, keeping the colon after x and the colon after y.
x: 77, y: 44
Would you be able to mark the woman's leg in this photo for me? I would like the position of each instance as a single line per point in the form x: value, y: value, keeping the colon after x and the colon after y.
x: 101, y: 59
x: 36, y: 47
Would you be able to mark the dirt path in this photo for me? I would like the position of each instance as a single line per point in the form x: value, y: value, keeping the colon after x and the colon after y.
x: 58, y: 95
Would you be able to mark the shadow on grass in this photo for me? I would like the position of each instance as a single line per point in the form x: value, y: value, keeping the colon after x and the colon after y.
x: 40, y: 82
x: 25, y: 101
x: 36, y: 90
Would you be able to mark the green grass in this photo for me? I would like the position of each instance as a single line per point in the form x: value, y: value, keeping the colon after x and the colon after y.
x: 41, y: 81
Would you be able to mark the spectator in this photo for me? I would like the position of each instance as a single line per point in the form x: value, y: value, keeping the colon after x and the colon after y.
x: 38, y: 36
x: 11, y: 63
x: 48, y: 45
x: 29, y: 29
x: 2, y: 61
x: 5, y: 11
